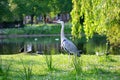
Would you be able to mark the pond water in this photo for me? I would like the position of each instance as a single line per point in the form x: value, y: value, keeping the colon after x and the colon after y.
x: 46, y: 43
x: 29, y: 44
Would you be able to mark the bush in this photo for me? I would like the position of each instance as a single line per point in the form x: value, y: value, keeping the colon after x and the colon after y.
x: 37, y: 29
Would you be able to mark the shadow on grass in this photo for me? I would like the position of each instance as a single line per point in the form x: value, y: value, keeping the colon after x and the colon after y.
x: 110, y: 59
x: 106, y: 74
x: 100, y: 75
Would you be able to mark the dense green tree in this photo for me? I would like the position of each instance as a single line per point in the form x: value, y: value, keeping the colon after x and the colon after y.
x: 60, y: 6
x: 100, y: 16
x: 5, y: 13
x: 17, y: 9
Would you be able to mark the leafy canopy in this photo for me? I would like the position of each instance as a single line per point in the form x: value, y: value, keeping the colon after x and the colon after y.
x: 100, y: 16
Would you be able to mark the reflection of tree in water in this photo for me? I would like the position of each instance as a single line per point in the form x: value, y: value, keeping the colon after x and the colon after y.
x: 39, y: 48
x: 26, y: 47
x: 9, y: 48
x: 29, y: 47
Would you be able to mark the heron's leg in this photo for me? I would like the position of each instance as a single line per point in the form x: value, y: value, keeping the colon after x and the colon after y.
x: 78, y: 54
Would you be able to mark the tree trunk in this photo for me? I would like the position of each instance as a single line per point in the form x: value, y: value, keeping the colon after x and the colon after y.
x: 21, y: 21
x: 32, y: 18
x: 44, y: 18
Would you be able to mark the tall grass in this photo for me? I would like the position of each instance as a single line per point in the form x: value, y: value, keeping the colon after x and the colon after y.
x: 6, y: 74
x: 49, y: 59
x: 77, y: 63
x: 1, y: 70
x: 5, y: 70
x: 26, y: 74
x: 49, y: 63
x: 87, y: 67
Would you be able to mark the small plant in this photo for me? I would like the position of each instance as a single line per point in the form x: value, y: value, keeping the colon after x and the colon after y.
x: 77, y: 64
x: 26, y: 73
x: 48, y: 59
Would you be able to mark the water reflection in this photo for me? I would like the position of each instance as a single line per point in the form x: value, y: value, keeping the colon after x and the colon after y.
x: 33, y: 44
x: 46, y: 43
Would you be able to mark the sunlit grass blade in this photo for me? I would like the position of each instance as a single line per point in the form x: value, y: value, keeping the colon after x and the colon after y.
x: 26, y: 73
x: 1, y: 70
x: 77, y: 63
x: 5, y: 70
x: 49, y: 59
x: 6, y: 73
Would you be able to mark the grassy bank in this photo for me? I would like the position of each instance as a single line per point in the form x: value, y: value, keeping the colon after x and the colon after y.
x: 36, y: 67
x: 37, y: 29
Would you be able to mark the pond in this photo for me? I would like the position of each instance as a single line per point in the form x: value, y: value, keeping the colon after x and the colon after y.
x: 45, y: 43
x: 29, y: 44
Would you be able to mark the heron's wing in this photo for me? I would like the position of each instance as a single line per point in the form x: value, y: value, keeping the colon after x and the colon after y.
x: 69, y: 46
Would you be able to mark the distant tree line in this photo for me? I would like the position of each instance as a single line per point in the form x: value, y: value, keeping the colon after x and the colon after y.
x: 14, y: 11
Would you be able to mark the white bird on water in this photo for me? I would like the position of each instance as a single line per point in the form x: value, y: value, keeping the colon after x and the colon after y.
x: 66, y: 44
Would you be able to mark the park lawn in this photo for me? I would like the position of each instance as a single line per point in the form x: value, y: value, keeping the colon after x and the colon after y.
x: 34, y: 67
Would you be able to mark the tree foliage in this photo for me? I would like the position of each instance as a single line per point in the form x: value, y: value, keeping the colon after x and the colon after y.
x: 5, y: 13
x: 17, y: 9
x: 100, y: 16
x: 60, y: 6
x: 29, y: 7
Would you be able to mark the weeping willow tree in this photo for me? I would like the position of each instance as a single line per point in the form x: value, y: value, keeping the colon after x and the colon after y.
x: 96, y: 16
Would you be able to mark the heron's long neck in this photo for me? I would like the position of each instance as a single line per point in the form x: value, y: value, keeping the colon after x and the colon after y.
x: 62, y: 31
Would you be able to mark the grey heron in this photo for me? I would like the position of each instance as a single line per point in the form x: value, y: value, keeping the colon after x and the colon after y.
x: 66, y: 44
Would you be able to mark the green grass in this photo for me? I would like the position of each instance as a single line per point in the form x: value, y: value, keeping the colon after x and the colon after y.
x: 38, y: 29
x: 4, y: 70
x: 33, y: 67
x: 26, y: 73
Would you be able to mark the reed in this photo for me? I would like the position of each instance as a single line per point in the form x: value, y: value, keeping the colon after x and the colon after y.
x: 26, y: 74
x: 77, y: 63
x: 49, y: 59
